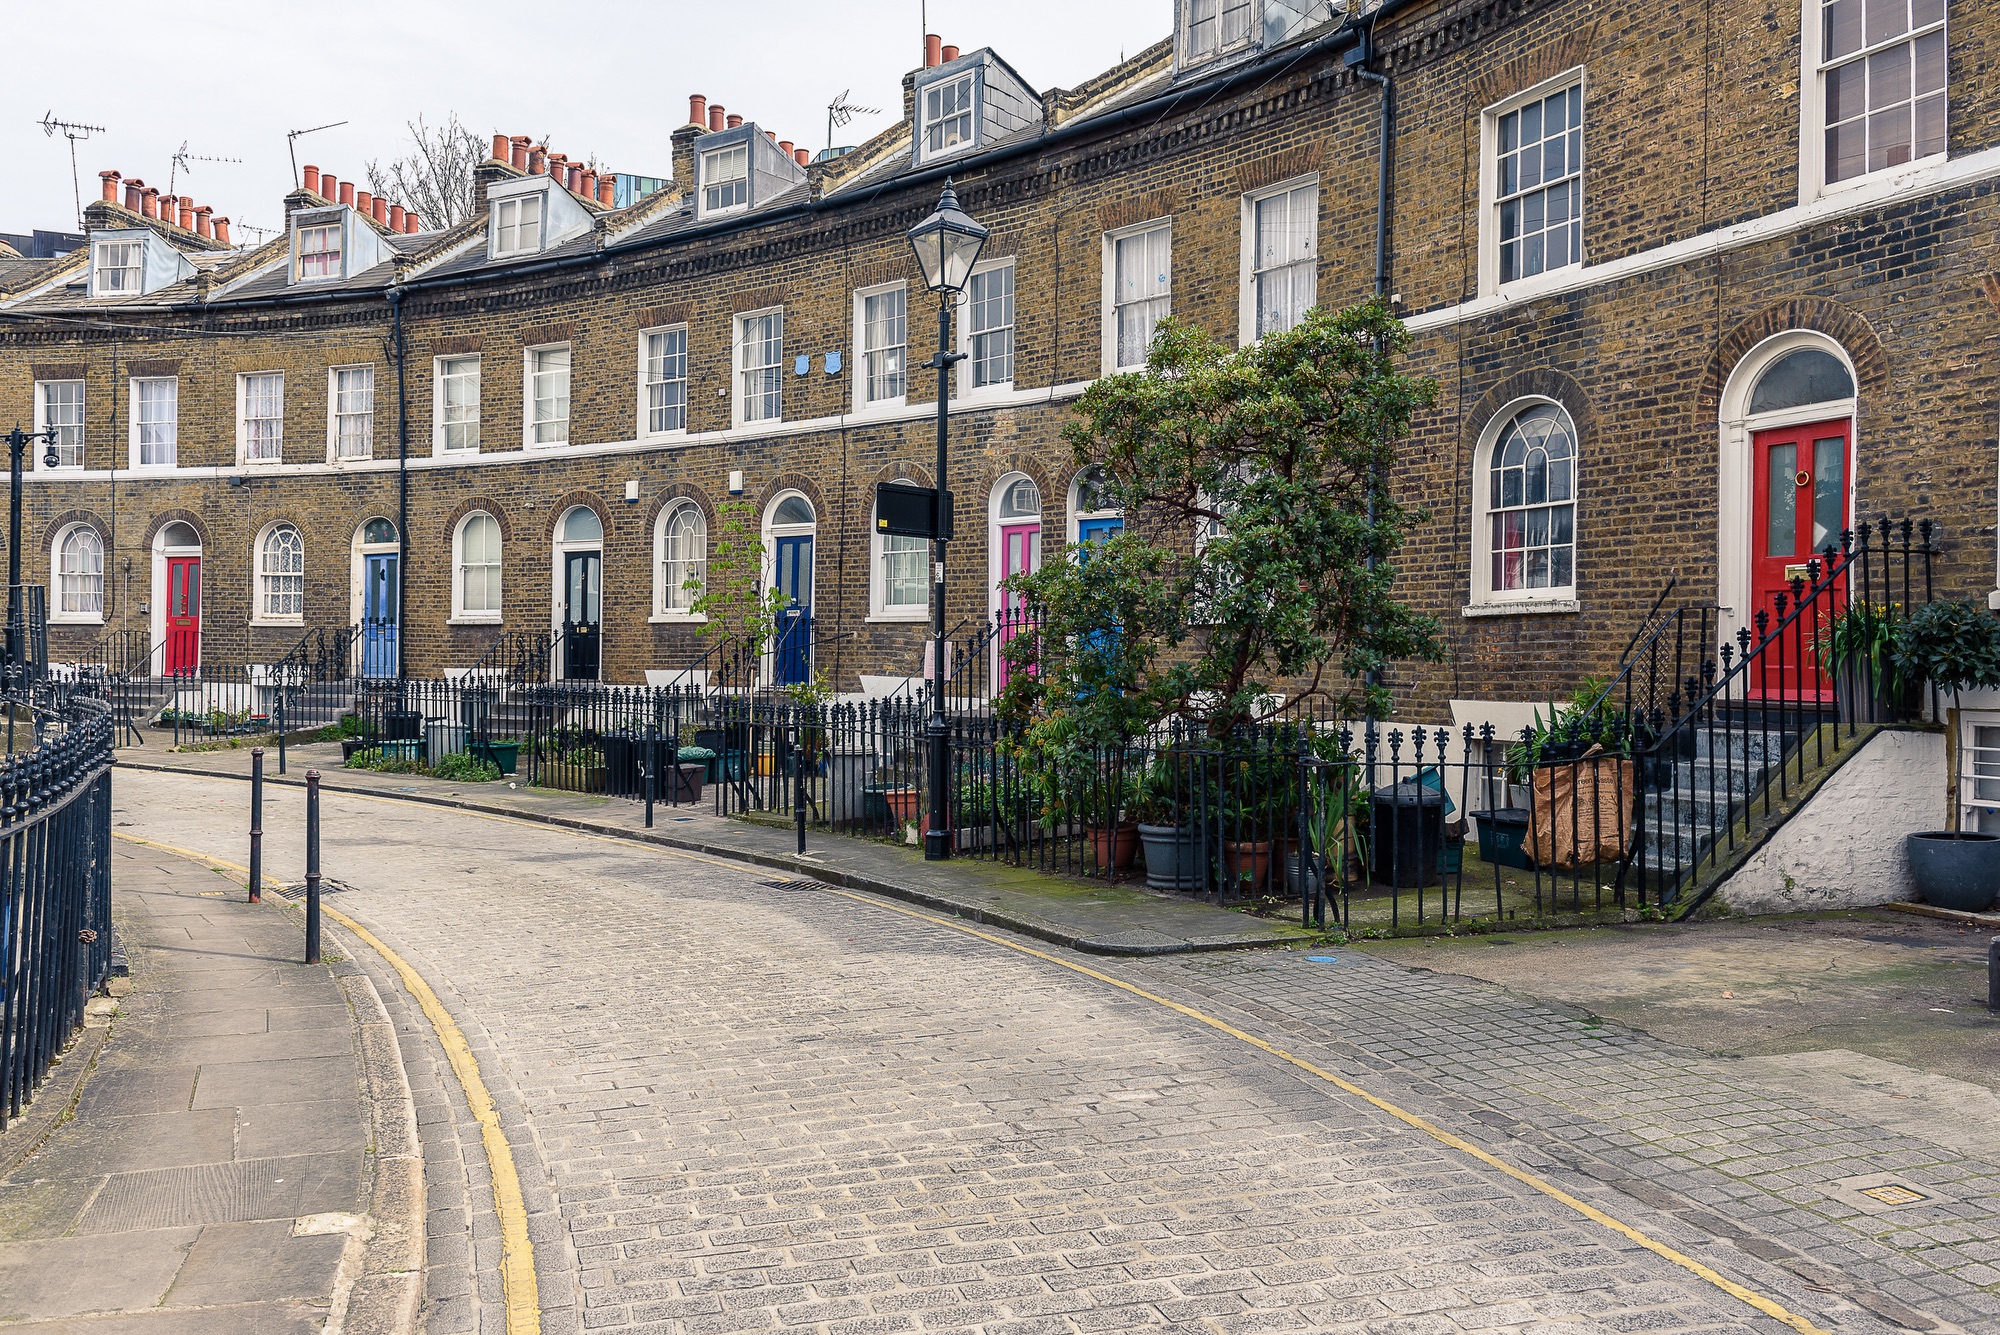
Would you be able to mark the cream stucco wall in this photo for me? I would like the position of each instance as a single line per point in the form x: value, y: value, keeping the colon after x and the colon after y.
x: 1844, y: 849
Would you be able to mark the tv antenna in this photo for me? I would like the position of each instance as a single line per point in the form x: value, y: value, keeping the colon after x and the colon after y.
x: 181, y: 160
x: 71, y: 131
x: 261, y: 232
x: 291, y: 141
x: 840, y: 111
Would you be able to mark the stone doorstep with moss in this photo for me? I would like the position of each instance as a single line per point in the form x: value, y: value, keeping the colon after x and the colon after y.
x: 1084, y: 914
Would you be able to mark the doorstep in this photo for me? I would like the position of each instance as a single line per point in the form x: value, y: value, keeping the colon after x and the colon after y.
x: 1949, y: 915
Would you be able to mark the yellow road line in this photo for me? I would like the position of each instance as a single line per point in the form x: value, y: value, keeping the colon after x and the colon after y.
x: 1769, y: 1307
x: 517, y: 1257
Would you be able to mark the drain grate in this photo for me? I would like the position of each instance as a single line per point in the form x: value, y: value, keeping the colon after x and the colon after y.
x: 793, y: 884
x: 1879, y: 1193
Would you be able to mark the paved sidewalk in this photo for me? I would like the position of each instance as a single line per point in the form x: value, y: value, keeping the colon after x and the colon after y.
x: 242, y: 1156
x: 1082, y: 914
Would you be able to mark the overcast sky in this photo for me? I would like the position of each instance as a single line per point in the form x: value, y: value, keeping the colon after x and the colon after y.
x: 602, y: 78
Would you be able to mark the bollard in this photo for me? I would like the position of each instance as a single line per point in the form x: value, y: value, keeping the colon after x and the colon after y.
x: 312, y: 866
x: 647, y: 766
x: 281, y: 734
x: 256, y: 825
x: 1993, y: 974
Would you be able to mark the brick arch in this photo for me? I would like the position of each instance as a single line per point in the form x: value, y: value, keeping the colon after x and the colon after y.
x: 1546, y: 382
x: 488, y: 505
x: 568, y: 501
x: 163, y: 518
x: 69, y: 517
x: 902, y: 472
x: 676, y: 494
x: 1038, y: 473
x: 1831, y: 318
x: 822, y: 515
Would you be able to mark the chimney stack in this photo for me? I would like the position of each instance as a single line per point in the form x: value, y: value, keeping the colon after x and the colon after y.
x: 933, y: 51
x: 731, y: 121
x: 311, y: 175
x: 697, y: 109
x: 201, y: 224
x: 803, y: 156
x: 715, y: 115
x: 607, y: 190
x: 517, y: 152
x: 948, y: 54
x: 135, y: 198
x: 222, y: 230
x: 110, y: 180
x: 499, y: 148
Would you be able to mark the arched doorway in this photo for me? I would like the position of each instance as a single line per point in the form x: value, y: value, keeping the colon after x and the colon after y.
x: 790, y: 536
x: 176, y: 616
x: 1016, y: 509
x: 376, y: 580
x: 579, y: 593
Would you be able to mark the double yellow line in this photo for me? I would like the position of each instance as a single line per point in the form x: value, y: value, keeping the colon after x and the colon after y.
x: 518, y: 1266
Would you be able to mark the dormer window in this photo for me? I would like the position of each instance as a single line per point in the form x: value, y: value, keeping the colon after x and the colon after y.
x: 319, y: 251
x: 1215, y: 26
x: 725, y: 179
x: 1208, y: 30
x: 517, y: 225
x: 119, y: 266
x: 947, y: 116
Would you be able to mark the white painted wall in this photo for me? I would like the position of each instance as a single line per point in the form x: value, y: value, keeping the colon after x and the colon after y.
x: 1845, y: 848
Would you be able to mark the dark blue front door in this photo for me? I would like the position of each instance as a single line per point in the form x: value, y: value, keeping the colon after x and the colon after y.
x: 791, y: 653
x: 1090, y: 532
x: 380, y: 592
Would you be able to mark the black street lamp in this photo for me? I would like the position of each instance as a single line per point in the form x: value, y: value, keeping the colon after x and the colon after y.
x: 947, y: 245
x: 17, y: 444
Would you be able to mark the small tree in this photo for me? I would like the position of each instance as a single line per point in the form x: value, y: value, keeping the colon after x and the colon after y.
x: 1952, y: 645
x: 1259, y: 540
x: 730, y: 592
x: 435, y: 177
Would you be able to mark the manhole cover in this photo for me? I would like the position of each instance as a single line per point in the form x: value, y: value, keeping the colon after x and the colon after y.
x: 1879, y: 1193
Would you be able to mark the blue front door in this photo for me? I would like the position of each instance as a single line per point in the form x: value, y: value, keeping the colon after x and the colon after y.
x: 791, y: 652
x: 1090, y: 532
x: 380, y: 600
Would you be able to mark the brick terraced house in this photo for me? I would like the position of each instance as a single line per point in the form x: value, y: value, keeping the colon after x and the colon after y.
x: 1701, y: 284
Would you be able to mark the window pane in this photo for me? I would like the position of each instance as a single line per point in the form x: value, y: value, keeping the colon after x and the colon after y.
x: 550, y: 388
x: 1781, y: 515
x: 666, y: 380
x: 1886, y: 19
x: 1829, y: 491
x: 1540, y: 186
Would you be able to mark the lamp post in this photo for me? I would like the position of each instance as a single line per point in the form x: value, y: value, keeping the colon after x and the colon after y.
x: 17, y: 444
x: 947, y: 245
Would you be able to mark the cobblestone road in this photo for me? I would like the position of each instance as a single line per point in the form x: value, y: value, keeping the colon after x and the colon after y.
x: 743, y: 1107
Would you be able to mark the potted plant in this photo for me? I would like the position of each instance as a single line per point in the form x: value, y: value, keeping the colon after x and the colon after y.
x: 1161, y: 810
x: 1952, y: 645
x: 503, y: 753
x: 1335, y: 825
x: 1858, y: 645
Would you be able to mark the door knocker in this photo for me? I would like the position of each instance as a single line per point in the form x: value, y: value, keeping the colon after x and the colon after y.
x: 1804, y: 479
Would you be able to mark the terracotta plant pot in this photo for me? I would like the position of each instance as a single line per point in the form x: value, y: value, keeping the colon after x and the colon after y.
x: 1246, y: 867
x: 1116, y: 847
x: 902, y: 805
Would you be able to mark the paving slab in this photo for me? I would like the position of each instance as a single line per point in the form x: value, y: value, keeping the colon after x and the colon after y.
x: 1084, y: 914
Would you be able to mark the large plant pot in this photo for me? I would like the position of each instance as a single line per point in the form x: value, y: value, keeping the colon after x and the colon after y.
x: 1171, y: 863
x: 902, y: 804
x: 688, y: 777
x: 1955, y: 871
x: 1115, y: 847
x: 1246, y: 867
x: 503, y: 756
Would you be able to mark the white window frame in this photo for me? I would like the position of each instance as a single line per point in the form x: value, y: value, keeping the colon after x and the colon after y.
x: 137, y: 428
x: 58, y: 614
x: 1246, y: 333
x: 438, y: 423
x: 339, y: 251
x: 1559, y: 598
x: 738, y: 372
x: 879, y: 606
x: 81, y: 425
x: 926, y: 154
x: 966, y: 388
x: 334, y: 414
x: 260, y: 593
x: 1812, y: 110
x: 646, y: 383
x: 1185, y: 57
x: 515, y: 204
x: 460, y: 613
x: 528, y: 419
x: 1972, y: 757
x: 663, y: 609
x: 1489, y: 183
x: 863, y: 374
x: 702, y: 185
x: 137, y: 268
x: 243, y: 418
x: 1113, y: 363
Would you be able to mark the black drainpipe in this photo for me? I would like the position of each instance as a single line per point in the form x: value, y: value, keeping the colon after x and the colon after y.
x: 1357, y: 58
x: 402, y: 471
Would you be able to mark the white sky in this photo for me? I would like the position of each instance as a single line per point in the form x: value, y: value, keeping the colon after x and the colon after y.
x: 602, y: 78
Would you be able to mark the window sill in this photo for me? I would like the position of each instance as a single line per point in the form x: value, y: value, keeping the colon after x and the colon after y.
x: 1886, y: 176
x: 1522, y: 608
x: 881, y: 408
x: 903, y: 617
x: 475, y: 619
x: 1527, y: 289
x: 663, y: 437
x: 677, y: 619
x: 529, y: 443
x: 277, y: 621
x: 462, y: 452
x: 74, y: 619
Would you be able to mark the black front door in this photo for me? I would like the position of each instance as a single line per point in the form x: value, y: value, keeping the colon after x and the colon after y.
x: 583, y: 598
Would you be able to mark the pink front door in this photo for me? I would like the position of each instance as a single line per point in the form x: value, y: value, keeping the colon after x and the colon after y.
x: 1020, y: 553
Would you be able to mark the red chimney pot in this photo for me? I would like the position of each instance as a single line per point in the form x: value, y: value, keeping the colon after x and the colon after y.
x: 499, y: 148
x: 395, y: 217
x: 151, y: 204
x: 347, y: 193
x: 329, y: 187
x: 932, y: 52
x: 697, y: 109
x: 715, y: 114
x: 311, y: 175
x: 410, y: 221
x: 732, y: 120
x: 365, y: 202
x: 589, y: 190
x: 110, y: 180
x: 949, y: 54
x: 607, y: 190
x: 187, y: 214
x: 381, y: 209
x: 167, y: 209
x: 803, y: 155
x: 134, y: 197
x: 222, y: 230
x: 517, y: 152
x: 201, y: 223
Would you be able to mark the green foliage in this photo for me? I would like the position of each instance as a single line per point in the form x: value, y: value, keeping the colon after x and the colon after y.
x: 732, y: 595
x: 462, y: 768
x: 456, y: 768
x: 1953, y: 645
x: 373, y: 758
x: 1863, y: 637
x: 349, y: 726
x: 1259, y: 539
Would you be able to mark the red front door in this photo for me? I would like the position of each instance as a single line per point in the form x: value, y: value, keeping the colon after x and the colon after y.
x: 1020, y: 554
x: 1804, y: 477
x: 183, y: 656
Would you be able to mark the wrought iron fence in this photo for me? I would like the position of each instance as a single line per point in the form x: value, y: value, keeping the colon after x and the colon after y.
x: 55, y: 888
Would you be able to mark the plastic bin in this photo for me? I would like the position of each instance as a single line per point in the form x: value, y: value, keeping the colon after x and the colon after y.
x: 1406, y: 832
x: 1503, y: 837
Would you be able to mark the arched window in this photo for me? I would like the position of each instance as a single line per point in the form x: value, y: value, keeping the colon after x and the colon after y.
x: 281, y: 574
x: 681, y: 559
x: 477, y: 568
x: 793, y: 509
x: 1094, y: 512
x: 178, y: 534
x: 1807, y: 376
x: 79, y: 566
x: 581, y: 524
x: 377, y: 532
x: 1021, y: 500
x: 1530, y: 495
